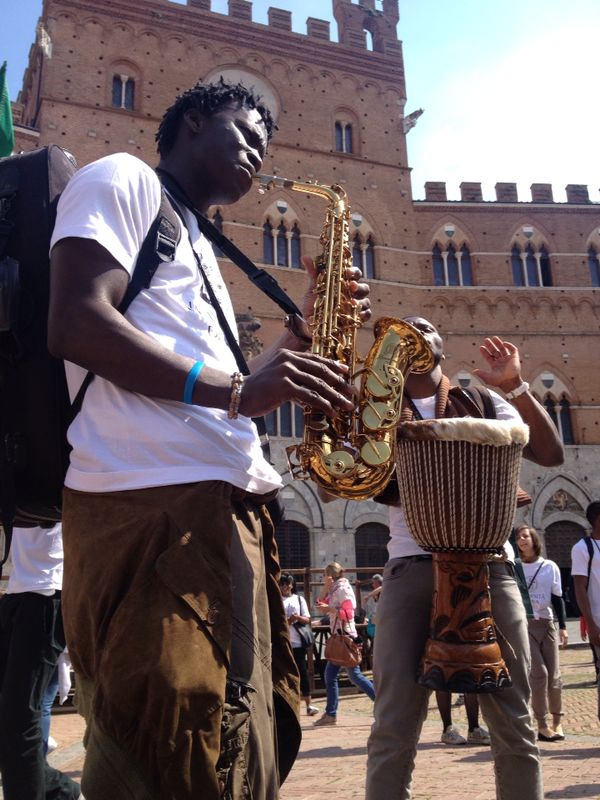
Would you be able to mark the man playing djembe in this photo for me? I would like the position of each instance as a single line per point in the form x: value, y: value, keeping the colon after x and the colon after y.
x: 403, y: 613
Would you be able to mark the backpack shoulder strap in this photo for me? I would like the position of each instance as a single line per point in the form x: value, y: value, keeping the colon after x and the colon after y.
x: 159, y: 246
x: 590, y: 546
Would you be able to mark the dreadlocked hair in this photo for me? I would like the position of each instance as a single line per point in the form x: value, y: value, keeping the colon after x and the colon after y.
x: 207, y: 99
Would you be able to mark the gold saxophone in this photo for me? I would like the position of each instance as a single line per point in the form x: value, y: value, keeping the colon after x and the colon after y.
x: 353, y: 454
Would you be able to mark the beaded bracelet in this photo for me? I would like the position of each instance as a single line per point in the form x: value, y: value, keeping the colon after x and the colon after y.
x: 237, y: 383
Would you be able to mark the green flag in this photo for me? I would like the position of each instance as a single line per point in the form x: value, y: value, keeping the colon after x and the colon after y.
x: 7, y: 136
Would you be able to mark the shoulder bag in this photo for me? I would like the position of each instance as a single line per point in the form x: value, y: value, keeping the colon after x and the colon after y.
x: 342, y: 650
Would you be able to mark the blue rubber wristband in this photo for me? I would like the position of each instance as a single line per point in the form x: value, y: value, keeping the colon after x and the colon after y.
x: 188, y: 389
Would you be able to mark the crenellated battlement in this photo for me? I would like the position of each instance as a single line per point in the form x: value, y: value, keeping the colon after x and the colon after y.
x: 356, y: 21
x: 577, y: 193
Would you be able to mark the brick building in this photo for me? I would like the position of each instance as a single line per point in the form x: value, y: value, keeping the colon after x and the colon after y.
x: 98, y: 81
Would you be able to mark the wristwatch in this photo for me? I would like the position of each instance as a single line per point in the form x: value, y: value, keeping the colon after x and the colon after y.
x: 521, y: 389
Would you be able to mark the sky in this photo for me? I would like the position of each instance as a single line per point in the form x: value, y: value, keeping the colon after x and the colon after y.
x: 508, y: 87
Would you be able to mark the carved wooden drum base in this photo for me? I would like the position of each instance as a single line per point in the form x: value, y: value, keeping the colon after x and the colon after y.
x: 462, y: 653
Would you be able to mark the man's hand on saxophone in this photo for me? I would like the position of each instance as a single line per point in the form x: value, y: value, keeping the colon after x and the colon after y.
x: 286, y: 372
x: 358, y: 288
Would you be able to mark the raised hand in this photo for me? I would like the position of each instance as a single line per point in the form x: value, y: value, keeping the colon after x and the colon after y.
x: 503, y: 365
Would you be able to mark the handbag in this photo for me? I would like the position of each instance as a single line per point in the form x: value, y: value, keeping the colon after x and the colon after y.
x: 307, y: 636
x: 341, y: 650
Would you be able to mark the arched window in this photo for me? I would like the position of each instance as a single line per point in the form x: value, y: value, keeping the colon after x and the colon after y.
x: 339, y: 137
x: 268, y: 248
x: 369, y: 270
x: 438, y: 266
x: 282, y: 250
x: 282, y: 244
x: 343, y: 137
x: 123, y: 92
x: 451, y: 267
x: 465, y: 263
x: 560, y: 413
x: 348, y: 148
x: 293, y: 542
x: 517, y: 266
x: 356, y: 252
x: 295, y: 248
x: 565, y: 427
x: 371, y: 547
x: 531, y: 266
x: 594, y: 265
x: 218, y: 223
x: 363, y: 255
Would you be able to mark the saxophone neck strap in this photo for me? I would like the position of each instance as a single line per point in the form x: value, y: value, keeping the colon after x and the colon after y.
x: 259, y: 277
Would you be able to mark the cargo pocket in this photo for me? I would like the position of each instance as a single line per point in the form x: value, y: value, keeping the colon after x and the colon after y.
x: 232, y: 770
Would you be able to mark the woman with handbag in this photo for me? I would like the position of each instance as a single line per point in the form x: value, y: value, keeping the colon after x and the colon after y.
x: 543, y: 585
x: 301, y: 637
x: 342, y: 652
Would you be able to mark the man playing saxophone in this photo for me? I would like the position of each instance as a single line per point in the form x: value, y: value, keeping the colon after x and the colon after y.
x: 164, y: 507
x: 404, y: 608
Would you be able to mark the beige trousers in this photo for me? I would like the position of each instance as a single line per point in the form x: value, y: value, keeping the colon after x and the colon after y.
x: 544, y: 678
x: 401, y: 703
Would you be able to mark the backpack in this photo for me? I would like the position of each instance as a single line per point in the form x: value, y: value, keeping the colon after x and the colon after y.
x: 570, y: 596
x: 35, y: 410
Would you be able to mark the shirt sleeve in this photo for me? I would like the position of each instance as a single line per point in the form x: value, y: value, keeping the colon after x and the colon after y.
x: 556, y: 581
x: 113, y: 201
x: 579, y: 559
x: 504, y: 410
x: 303, y: 606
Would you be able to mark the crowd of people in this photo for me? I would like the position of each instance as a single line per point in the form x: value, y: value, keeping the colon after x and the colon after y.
x: 184, y: 637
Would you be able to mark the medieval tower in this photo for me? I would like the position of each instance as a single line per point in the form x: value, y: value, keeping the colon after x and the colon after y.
x: 99, y: 79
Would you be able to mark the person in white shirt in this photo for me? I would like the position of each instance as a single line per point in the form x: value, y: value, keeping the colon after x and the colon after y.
x: 586, y: 579
x: 547, y: 631
x: 31, y: 640
x: 174, y: 619
x: 296, y: 611
x: 404, y: 608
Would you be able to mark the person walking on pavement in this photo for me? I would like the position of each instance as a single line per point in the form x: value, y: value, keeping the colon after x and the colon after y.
x: 338, y: 600
x: 547, y: 632
x: 296, y: 611
x: 585, y: 569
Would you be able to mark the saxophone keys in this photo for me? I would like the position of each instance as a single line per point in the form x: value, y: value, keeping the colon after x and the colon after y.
x: 377, y: 416
x: 339, y: 463
x: 374, y: 452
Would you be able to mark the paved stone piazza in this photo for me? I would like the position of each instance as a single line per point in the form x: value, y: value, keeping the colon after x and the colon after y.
x: 332, y: 760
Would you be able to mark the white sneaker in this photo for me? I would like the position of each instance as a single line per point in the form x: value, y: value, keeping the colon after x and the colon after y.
x: 452, y: 736
x: 312, y: 710
x: 478, y: 735
x: 52, y: 744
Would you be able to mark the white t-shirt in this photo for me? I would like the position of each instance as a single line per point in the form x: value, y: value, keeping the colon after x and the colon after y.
x: 579, y: 566
x: 122, y: 440
x: 295, y: 604
x: 401, y: 542
x: 37, y: 560
x: 543, y: 580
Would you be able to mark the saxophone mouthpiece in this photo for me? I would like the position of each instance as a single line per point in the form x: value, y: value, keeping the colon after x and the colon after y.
x: 267, y: 182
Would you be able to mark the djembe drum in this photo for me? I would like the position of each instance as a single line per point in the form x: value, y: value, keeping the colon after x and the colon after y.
x: 458, y: 482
